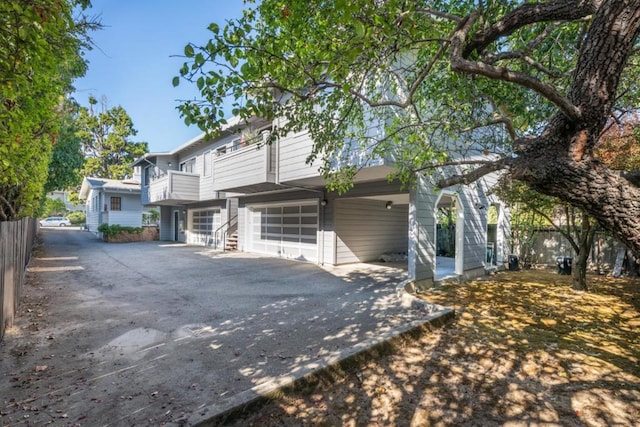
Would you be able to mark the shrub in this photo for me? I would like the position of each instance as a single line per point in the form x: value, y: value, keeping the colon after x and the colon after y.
x: 77, y: 217
x: 113, y: 229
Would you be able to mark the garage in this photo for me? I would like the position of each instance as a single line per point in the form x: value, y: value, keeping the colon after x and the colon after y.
x: 288, y: 231
x: 203, y: 223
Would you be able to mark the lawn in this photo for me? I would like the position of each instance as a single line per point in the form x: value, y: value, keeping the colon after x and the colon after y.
x: 523, y: 349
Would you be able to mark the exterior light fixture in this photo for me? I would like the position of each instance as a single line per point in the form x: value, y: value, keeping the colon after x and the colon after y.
x: 389, y: 204
x: 323, y: 202
x: 169, y: 164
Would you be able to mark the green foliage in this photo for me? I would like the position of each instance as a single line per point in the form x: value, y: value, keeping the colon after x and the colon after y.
x: 77, y: 217
x: 53, y: 207
x: 151, y: 217
x: 40, y: 54
x: 106, y: 141
x: 375, y: 77
x: 67, y: 158
x: 114, y: 229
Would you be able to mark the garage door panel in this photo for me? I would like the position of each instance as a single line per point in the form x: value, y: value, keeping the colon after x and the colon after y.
x: 203, y: 225
x: 293, y: 227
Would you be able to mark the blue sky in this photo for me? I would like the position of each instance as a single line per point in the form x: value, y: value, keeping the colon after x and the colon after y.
x: 132, y: 65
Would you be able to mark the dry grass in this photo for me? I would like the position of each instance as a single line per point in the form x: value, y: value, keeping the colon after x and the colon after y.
x: 523, y: 350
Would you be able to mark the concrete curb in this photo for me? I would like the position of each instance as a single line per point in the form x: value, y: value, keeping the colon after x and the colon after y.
x: 236, y: 405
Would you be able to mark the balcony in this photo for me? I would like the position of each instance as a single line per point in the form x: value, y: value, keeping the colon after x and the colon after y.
x: 172, y: 188
x: 246, y: 168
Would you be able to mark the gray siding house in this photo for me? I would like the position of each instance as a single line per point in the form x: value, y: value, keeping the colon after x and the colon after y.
x: 266, y: 199
x: 110, y: 201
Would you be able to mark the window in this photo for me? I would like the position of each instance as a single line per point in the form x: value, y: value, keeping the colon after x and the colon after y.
x: 116, y: 204
x: 188, y: 166
x: 206, y: 167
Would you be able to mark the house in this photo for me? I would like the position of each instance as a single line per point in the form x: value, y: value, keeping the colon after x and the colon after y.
x: 111, y: 201
x: 238, y: 191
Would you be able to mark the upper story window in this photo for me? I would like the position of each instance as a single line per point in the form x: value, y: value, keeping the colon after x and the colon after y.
x: 188, y: 166
x: 116, y: 204
x: 206, y: 164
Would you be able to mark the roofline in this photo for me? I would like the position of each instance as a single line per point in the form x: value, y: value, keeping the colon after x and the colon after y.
x: 232, y: 122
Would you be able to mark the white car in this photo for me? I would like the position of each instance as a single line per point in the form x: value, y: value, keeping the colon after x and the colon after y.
x: 55, y: 221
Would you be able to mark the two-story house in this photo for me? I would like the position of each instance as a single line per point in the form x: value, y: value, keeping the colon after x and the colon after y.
x: 273, y: 202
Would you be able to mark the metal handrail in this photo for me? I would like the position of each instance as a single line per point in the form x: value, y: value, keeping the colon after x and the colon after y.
x: 223, y: 229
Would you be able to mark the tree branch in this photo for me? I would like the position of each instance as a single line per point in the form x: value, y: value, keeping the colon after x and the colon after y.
x: 474, y: 175
x: 527, y: 14
x: 559, y: 229
x: 460, y: 64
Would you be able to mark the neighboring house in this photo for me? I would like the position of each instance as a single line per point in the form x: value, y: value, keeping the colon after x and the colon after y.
x: 111, y: 201
x: 270, y: 201
x: 64, y: 197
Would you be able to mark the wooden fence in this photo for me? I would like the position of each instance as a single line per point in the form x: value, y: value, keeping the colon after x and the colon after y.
x: 16, y: 243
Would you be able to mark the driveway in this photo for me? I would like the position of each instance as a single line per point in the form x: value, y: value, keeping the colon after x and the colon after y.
x: 151, y: 333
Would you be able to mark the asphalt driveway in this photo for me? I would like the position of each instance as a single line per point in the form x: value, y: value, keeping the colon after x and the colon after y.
x: 152, y: 333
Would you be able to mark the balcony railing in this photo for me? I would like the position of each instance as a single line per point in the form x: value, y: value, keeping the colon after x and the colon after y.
x: 172, y: 188
x: 245, y: 166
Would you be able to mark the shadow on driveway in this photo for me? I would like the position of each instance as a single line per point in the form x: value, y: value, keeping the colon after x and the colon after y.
x: 152, y: 333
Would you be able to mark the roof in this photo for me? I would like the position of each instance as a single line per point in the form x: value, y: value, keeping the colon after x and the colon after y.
x: 113, y: 185
x: 231, y: 123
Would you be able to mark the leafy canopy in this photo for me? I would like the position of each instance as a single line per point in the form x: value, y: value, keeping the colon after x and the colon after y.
x: 106, y: 141
x: 40, y: 54
x: 375, y: 74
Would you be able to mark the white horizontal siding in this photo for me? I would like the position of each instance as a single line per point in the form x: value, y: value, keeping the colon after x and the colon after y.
x: 365, y: 229
x: 422, y: 250
x: 131, y: 213
x: 246, y: 166
x: 185, y: 186
x: 293, y: 152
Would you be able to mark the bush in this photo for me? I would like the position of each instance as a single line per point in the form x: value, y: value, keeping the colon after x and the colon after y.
x: 77, y: 217
x: 114, y: 229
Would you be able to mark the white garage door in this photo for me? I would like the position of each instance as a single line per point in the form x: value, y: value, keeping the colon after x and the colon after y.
x: 203, y: 224
x: 288, y: 231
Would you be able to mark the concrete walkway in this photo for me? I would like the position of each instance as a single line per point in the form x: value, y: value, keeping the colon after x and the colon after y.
x: 150, y: 334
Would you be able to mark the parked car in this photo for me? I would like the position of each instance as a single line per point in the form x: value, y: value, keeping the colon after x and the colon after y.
x: 55, y: 221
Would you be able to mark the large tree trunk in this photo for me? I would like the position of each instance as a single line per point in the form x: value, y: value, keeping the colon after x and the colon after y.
x: 560, y: 161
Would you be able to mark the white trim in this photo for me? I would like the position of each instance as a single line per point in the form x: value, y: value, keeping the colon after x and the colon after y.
x: 459, y: 255
x: 207, y: 160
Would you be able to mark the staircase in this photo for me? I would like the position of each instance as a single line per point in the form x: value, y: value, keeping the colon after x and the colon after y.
x: 231, y: 243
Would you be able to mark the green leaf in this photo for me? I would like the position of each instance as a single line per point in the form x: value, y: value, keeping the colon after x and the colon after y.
x: 175, y: 81
x: 188, y: 51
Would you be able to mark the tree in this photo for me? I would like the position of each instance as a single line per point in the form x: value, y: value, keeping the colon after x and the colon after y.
x: 67, y: 157
x: 534, y: 84
x: 539, y: 210
x: 40, y: 55
x: 53, y: 207
x: 105, y: 138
